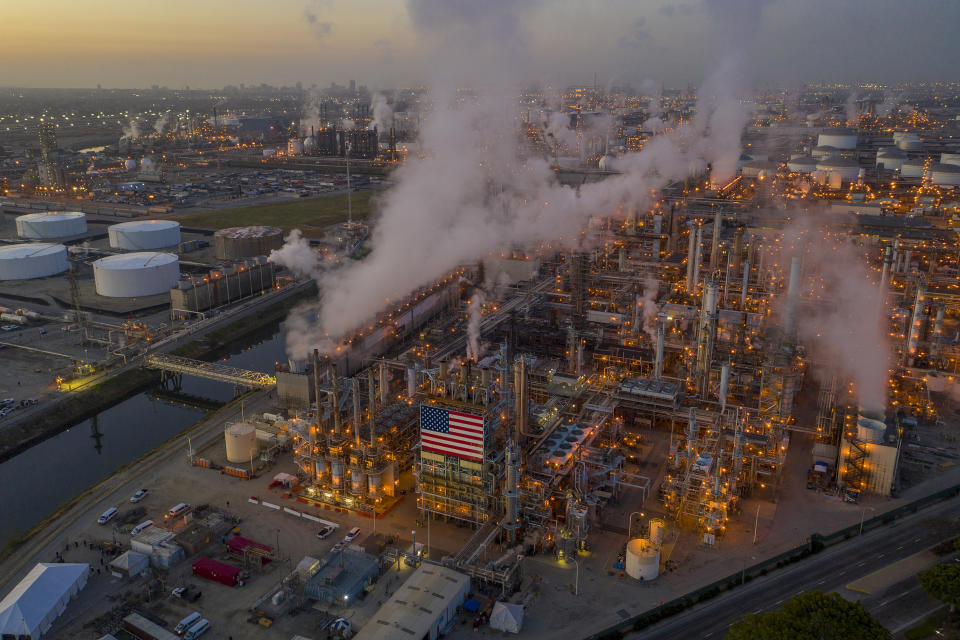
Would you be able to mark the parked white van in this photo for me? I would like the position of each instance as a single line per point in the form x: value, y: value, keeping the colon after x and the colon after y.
x: 107, y: 515
x: 146, y: 524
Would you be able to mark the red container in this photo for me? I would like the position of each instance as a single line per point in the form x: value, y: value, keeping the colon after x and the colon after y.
x: 217, y: 571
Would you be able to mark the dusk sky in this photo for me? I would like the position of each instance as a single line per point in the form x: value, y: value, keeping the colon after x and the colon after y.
x: 212, y: 43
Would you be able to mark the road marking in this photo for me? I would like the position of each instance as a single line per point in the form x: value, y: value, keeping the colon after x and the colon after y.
x: 900, y: 547
x: 821, y: 582
x: 862, y: 563
x: 778, y: 602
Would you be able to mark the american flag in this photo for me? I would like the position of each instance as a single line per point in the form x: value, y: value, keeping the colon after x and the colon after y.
x: 451, y: 433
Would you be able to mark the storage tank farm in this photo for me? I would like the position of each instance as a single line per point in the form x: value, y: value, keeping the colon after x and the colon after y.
x: 51, y: 224
x: 131, y: 275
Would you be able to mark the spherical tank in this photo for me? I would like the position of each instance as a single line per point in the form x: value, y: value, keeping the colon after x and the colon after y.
x: 140, y: 235
x: 838, y: 138
x: 643, y: 559
x: 26, y: 261
x: 246, y: 242
x: 130, y: 164
x: 657, y: 528
x: 51, y: 224
x: 136, y: 274
x: 241, y: 440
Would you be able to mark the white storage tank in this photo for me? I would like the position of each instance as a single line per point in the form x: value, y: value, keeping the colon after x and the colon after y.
x: 891, y: 158
x: 907, y: 141
x: 51, y: 224
x: 838, y: 138
x: 241, y: 438
x: 657, y: 528
x: 26, y: 261
x: 846, y: 169
x: 294, y: 147
x: 136, y: 274
x: 643, y: 559
x: 950, y: 158
x: 945, y: 175
x: 139, y: 235
x: 802, y: 164
x: 911, y: 169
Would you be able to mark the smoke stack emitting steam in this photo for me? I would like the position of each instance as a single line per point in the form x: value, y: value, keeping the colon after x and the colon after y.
x: 442, y: 211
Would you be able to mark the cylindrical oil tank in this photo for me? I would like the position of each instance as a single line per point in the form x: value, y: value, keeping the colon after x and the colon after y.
x: 838, y: 138
x: 136, y: 274
x: 241, y: 438
x: 358, y: 480
x: 245, y: 242
x: 657, y: 528
x: 336, y: 473
x: 891, y: 158
x: 870, y: 430
x: 25, y: 261
x: 643, y: 559
x: 907, y: 141
x: 141, y: 235
x: 294, y: 147
x: 945, y: 175
x: 388, y: 477
x: 802, y: 164
x: 848, y: 169
x: 373, y: 483
x: 950, y: 158
x: 911, y: 169
x: 51, y: 224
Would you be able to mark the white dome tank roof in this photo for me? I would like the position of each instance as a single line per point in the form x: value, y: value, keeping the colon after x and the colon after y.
x: 26, y: 261
x: 138, y: 235
x: 136, y: 274
x: 51, y: 224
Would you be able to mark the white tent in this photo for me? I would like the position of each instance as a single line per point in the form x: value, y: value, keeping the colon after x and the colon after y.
x: 506, y: 617
x: 130, y: 564
x: 30, y: 608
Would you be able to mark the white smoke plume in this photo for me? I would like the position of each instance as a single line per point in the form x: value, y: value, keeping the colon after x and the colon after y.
x: 890, y: 102
x: 310, y: 114
x: 347, y: 124
x: 297, y: 255
x: 851, y: 112
x: 160, y: 126
x: 649, y: 306
x: 844, y: 324
x: 475, y: 317
x: 382, y: 113
x: 147, y: 165
x: 131, y: 130
x: 472, y: 192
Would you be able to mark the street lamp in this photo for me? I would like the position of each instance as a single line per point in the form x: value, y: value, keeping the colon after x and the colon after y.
x: 630, y: 524
x: 863, y: 512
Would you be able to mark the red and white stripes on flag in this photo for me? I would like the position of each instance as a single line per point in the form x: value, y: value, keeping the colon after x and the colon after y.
x: 451, y: 433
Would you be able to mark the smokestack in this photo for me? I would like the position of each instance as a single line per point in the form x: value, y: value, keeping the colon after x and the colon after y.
x: 622, y: 262
x: 691, y: 435
x: 657, y: 229
x: 316, y: 382
x: 443, y: 374
x: 907, y: 257
x: 715, y: 246
x: 724, y: 385
x: 636, y: 314
x: 913, y: 331
x: 355, y: 389
x: 335, y: 399
x: 658, y: 363
x: 411, y: 382
x: 790, y: 320
x: 511, y: 492
x: 632, y: 220
x: 372, y: 401
x: 885, y: 274
x: 697, y: 255
x: 690, y: 258
x: 705, y: 329
x: 737, y: 249
x: 383, y: 384
x: 520, y: 396
x: 744, y: 284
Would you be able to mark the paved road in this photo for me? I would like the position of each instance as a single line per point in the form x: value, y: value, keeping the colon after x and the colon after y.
x: 829, y: 570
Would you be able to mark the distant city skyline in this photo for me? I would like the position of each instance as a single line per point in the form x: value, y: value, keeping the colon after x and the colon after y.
x: 210, y: 44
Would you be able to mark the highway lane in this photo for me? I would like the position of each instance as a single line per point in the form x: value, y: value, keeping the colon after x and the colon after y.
x: 827, y: 571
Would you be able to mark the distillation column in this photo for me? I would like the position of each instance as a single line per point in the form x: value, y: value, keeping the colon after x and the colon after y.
x: 913, y: 331
x: 705, y: 331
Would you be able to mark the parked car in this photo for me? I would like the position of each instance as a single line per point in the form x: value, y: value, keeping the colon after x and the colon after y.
x: 139, y: 495
x: 324, y: 532
x: 187, y: 593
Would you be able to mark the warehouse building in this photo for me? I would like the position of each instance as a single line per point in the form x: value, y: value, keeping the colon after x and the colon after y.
x: 425, y: 606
